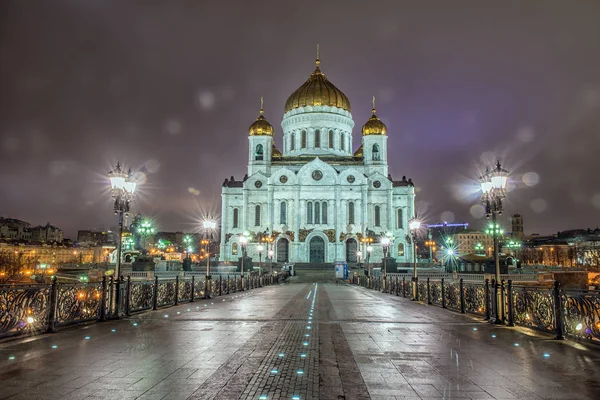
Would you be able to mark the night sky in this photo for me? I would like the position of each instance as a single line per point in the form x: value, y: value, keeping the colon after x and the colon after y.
x: 170, y: 88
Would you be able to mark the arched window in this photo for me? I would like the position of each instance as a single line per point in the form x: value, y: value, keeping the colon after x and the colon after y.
x: 376, y: 156
x: 292, y: 141
x: 309, y: 213
x: 377, y: 216
x: 283, y: 213
x: 400, y: 249
x: 317, y: 138
x: 400, y: 219
x: 258, y: 154
x: 236, y: 218
x: 234, y: 248
x: 351, y: 212
x: 331, y: 139
x: 257, y: 216
x: 343, y: 139
x: 317, y: 212
x: 303, y: 140
x: 324, y: 212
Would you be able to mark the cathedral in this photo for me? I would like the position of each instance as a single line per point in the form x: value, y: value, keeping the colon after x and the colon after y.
x: 317, y: 200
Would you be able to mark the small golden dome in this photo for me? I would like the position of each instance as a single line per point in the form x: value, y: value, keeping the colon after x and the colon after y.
x: 261, y: 127
x: 275, y: 152
x: 317, y: 91
x: 359, y: 152
x: 374, y: 126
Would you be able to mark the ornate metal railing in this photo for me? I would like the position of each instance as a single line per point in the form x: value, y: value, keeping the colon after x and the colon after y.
x: 575, y: 314
x: 23, y: 308
x: 534, y: 307
x: 582, y: 314
x: 30, y: 309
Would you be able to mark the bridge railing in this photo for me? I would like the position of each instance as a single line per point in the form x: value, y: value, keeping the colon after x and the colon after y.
x: 33, y: 309
x: 571, y: 313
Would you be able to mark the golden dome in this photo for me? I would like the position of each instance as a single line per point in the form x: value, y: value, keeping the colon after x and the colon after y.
x: 317, y: 91
x: 275, y: 152
x: 261, y: 127
x: 359, y: 152
x: 374, y: 126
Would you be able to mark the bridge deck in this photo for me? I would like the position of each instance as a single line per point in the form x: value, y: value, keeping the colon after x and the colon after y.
x: 361, y: 344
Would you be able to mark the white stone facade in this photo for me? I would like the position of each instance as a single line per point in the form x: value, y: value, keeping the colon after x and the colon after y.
x: 316, y: 200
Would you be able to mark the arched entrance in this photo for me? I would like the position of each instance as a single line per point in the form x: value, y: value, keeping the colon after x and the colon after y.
x: 317, y: 250
x: 351, y: 247
x: 283, y: 250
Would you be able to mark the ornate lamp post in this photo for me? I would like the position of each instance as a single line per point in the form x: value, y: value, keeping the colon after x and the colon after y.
x: 369, y: 250
x: 493, y: 191
x: 414, y: 225
x: 385, y: 243
x: 122, y: 191
x: 244, y: 243
x: 260, y: 249
x: 208, y: 226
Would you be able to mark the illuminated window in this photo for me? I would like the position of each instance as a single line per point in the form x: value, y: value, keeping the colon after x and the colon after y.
x: 236, y: 217
x: 283, y: 213
x: 234, y: 249
x: 258, y: 154
x: 376, y: 156
x: 400, y: 249
x: 257, y: 216
x: 351, y: 212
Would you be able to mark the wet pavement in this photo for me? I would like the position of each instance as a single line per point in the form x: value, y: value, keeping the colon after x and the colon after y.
x: 299, y: 341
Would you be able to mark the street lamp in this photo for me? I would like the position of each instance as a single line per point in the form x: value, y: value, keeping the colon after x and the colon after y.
x: 493, y: 191
x: 243, y: 242
x: 385, y: 242
x: 260, y: 249
x: 369, y: 250
x: 414, y: 225
x: 209, y: 226
x: 122, y: 191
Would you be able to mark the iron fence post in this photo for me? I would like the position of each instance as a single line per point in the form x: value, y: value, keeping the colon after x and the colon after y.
x: 228, y: 284
x: 428, y: 292
x: 502, y: 302
x: 103, y: 300
x: 220, y: 285
x: 176, y: 291
x: 462, y: 295
x: 495, y: 308
x: 53, y: 303
x: 193, y: 288
x: 416, y: 288
x: 511, y: 306
x: 558, y: 313
x: 117, y: 298
x: 397, y: 286
x: 155, y: 297
x: 486, y: 292
x: 128, y: 295
x: 443, y: 293
x: 404, y: 286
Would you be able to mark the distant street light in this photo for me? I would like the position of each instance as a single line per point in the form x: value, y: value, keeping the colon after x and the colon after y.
x: 209, y: 226
x: 369, y: 250
x: 493, y: 192
x: 243, y: 242
x: 260, y: 249
x: 385, y: 242
x: 122, y: 191
x: 414, y: 225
